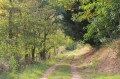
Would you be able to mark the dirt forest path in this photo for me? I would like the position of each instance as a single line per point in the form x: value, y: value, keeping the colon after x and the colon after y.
x: 75, y: 74
x: 51, y: 69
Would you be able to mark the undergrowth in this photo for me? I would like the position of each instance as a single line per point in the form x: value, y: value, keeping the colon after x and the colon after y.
x: 32, y: 71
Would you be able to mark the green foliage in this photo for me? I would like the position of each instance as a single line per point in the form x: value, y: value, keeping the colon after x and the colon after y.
x: 100, y: 16
x: 70, y: 44
x: 14, y: 64
x: 28, y: 29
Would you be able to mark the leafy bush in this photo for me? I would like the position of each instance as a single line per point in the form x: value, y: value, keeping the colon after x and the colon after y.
x: 70, y: 45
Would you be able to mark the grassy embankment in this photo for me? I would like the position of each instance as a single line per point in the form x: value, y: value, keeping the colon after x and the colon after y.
x: 94, y: 75
x: 89, y: 71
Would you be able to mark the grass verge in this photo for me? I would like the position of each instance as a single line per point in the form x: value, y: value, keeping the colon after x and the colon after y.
x: 33, y: 71
x: 99, y: 76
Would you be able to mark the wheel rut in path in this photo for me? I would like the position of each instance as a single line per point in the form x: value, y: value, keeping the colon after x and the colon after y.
x: 51, y: 69
x: 75, y: 74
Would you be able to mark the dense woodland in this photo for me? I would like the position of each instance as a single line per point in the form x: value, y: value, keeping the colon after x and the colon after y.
x: 34, y: 30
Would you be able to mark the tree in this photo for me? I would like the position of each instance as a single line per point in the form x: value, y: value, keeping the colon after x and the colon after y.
x: 102, y: 19
x: 27, y: 32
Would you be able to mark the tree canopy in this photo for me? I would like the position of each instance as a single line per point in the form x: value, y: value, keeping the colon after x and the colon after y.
x: 94, y: 21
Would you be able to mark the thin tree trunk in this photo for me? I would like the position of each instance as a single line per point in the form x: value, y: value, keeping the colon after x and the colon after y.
x: 26, y: 56
x: 44, y: 49
x: 57, y: 51
x: 33, y: 53
x: 41, y: 55
x: 29, y: 56
x: 54, y: 51
x: 49, y: 56
x: 119, y: 18
x: 118, y: 15
x: 10, y: 21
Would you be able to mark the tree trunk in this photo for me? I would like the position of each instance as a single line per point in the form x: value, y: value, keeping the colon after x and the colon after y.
x: 118, y: 14
x: 49, y: 56
x: 10, y: 21
x: 26, y: 58
x: 41, y: 55
x: 44, y: 54
x: 119, y: 18
x: 55, y: 51
x: 29, y: 56
x: 33, y: 53
x: 44, y: 49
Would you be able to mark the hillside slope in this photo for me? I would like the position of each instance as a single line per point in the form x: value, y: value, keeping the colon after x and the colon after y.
x: 104, y: 60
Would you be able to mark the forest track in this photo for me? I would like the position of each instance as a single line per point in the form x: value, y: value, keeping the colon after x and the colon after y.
x: 51, y: 69
x: 75, y: 74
